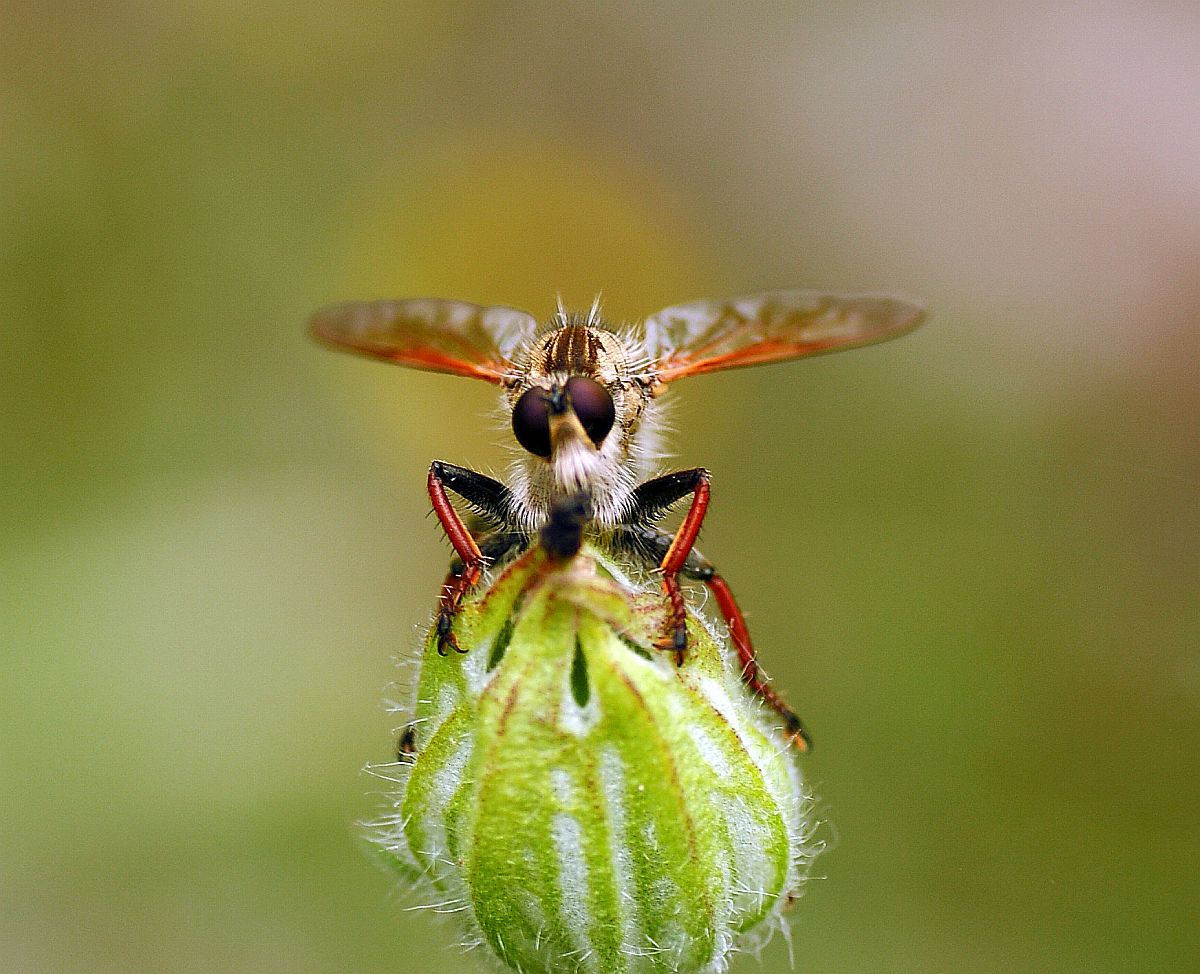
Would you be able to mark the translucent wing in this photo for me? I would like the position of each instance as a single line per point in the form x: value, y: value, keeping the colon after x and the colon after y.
x: 690, y: 339
x: 428, y: 333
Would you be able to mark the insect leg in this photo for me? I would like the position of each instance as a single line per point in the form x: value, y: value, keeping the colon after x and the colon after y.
x: 488, y: 496
x: 651, y: 500
x: 652, y: 545
x: 751, y: 674
x: 493, y: 547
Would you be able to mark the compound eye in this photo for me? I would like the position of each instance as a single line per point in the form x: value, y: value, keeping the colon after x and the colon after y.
x: 593, y: 406
x: 531, y: 422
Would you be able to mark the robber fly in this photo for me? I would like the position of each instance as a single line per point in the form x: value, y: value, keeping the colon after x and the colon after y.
x: 582, y: 399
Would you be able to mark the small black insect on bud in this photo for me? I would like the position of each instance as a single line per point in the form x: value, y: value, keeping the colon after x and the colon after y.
x: 406, y: 747
x: 562, y: 534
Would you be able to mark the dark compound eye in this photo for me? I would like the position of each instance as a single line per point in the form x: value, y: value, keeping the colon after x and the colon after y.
x: 593, y: 405
x: 531, y: 422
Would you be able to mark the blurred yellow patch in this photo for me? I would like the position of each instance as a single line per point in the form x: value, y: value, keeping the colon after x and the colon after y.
x: 507, y: 221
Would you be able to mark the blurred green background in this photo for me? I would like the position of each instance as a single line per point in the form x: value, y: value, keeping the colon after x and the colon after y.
x: 969, y: 557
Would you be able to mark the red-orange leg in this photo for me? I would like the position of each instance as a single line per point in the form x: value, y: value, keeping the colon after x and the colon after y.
x: 672, y: 562
x: 458, y: 583
x: 751, y: 674
x: 679, y: 553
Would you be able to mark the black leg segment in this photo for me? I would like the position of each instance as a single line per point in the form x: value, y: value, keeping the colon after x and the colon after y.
x: 487, y: 497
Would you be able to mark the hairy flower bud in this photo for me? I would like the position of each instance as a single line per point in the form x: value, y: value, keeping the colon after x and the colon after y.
x: 582, y: 802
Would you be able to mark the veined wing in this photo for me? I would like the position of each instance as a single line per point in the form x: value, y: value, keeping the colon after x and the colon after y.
x: 454, y: 337
x: 704, y: 336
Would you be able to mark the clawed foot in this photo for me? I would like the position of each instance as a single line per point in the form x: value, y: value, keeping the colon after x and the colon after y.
x: 674, y: 642
x: 796, y: 734
x: 445, y: 634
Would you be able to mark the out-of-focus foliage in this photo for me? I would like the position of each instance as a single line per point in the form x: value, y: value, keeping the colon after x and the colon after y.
x: 970, y: 557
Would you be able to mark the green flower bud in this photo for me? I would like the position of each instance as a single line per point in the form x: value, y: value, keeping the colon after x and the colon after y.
x: 582, y: 802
